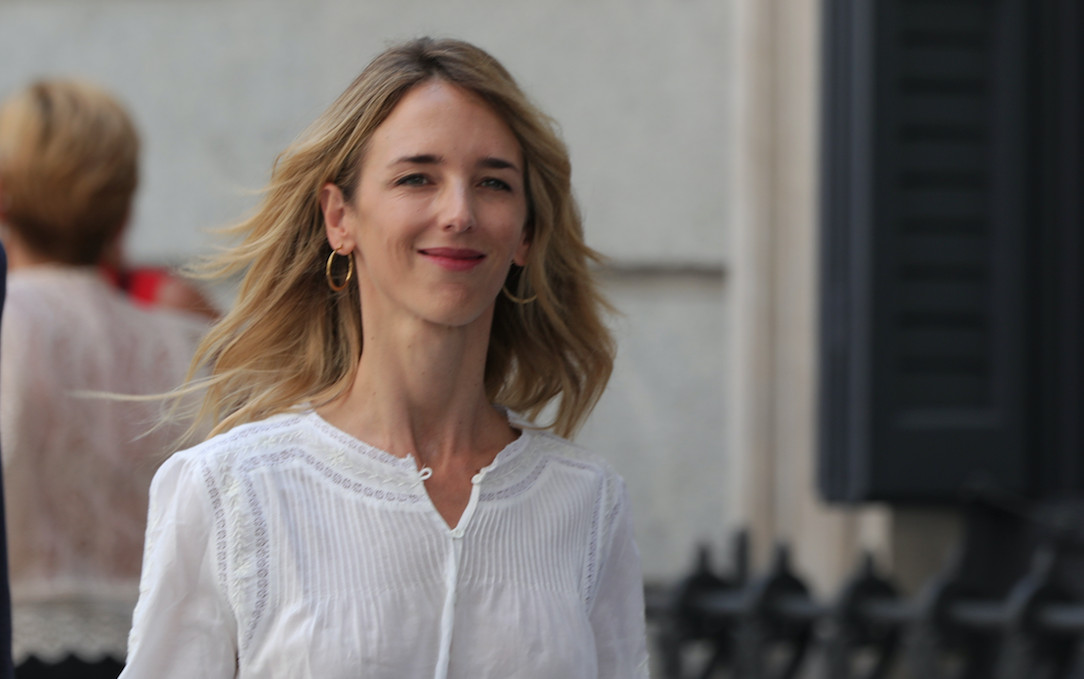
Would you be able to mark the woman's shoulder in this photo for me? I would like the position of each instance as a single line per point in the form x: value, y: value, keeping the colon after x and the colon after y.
x: 49, y: 300
x: 245, y: 443
x: 572, y: 455
x: 607, y: 486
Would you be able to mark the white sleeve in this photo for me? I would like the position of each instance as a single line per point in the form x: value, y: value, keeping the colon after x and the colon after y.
x: 183, y: 625
x: 617, y: 612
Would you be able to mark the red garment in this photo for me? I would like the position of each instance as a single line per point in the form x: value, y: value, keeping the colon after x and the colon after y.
x: 141, y: 284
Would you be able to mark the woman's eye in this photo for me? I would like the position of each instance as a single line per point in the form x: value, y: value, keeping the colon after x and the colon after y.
x: 412, y: 180
x: 494, y: 183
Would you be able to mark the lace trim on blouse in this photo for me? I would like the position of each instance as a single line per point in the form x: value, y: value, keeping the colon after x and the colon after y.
x: 51, y: 632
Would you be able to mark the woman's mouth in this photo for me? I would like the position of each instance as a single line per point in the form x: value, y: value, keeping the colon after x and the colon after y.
x: 453, y: 259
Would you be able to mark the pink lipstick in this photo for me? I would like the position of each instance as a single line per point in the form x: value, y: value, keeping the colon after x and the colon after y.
x: 453, y: 259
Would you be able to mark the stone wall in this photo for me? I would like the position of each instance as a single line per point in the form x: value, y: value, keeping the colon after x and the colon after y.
x: 641, y: 89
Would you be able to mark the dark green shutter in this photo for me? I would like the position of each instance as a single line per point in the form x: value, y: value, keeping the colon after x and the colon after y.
x: 930, y: 216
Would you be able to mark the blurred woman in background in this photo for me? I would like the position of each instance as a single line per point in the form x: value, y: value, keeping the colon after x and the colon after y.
x: 77, y: 469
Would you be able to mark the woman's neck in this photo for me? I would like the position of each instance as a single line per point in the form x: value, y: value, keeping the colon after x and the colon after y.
x: 420, y: 390
x: 20, y: 255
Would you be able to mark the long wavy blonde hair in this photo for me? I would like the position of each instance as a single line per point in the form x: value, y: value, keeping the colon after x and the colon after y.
x: 290, y: 341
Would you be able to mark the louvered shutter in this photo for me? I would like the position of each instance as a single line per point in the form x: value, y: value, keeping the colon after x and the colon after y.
x: 1056, y: 404
x: 929, y: 216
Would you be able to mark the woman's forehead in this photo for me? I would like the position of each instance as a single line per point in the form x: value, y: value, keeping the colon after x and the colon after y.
x: 438, y: 118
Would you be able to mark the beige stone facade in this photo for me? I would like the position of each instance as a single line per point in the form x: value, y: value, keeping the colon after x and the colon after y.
x: 693, y: 131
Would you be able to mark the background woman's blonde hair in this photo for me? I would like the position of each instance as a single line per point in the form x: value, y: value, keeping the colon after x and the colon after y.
x: 68, y: 168
x: 290, y: 340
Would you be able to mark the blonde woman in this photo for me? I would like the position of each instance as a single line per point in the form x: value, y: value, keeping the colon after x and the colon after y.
x: 77, y: 470
x: 376, y: 501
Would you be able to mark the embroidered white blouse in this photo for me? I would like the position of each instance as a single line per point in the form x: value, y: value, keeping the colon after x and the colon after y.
x: 287, y: 548
x: 77, y: 468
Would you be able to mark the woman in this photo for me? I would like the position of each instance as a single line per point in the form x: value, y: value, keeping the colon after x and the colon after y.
x: 77, y: 469
x: 371, y: 504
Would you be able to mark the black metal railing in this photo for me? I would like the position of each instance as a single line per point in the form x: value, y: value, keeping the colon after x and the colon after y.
x: 1008, y: 605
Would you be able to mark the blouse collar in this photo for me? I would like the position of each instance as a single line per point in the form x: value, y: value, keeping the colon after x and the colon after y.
x: 504, y: 466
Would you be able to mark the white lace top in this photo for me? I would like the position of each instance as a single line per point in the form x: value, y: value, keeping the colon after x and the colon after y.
x: 77, y: 469
x: 287, y: 548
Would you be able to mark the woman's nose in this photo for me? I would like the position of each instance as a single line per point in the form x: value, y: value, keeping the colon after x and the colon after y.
x: 457, y: 209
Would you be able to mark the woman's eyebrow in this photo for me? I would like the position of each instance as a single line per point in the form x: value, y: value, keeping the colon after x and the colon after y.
x: 495, y: 163
x: 419, y: 159
x: 431, y: 158
x: 489, y: 162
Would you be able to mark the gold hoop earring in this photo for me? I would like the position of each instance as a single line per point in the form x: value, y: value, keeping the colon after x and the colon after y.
x: 513, y: 298
x: 338, y: 287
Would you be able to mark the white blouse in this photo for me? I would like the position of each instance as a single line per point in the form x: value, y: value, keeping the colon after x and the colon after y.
x: 287, y: 548
x: 77, y: 467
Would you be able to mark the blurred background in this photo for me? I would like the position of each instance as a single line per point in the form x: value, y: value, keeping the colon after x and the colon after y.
x: 844, y: 237
x: 643, y: 94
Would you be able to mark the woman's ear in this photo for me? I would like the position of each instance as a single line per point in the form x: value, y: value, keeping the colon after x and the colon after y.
x: 335, y: 208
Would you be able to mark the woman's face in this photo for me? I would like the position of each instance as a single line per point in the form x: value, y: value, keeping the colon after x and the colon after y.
x: 439, y: 213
